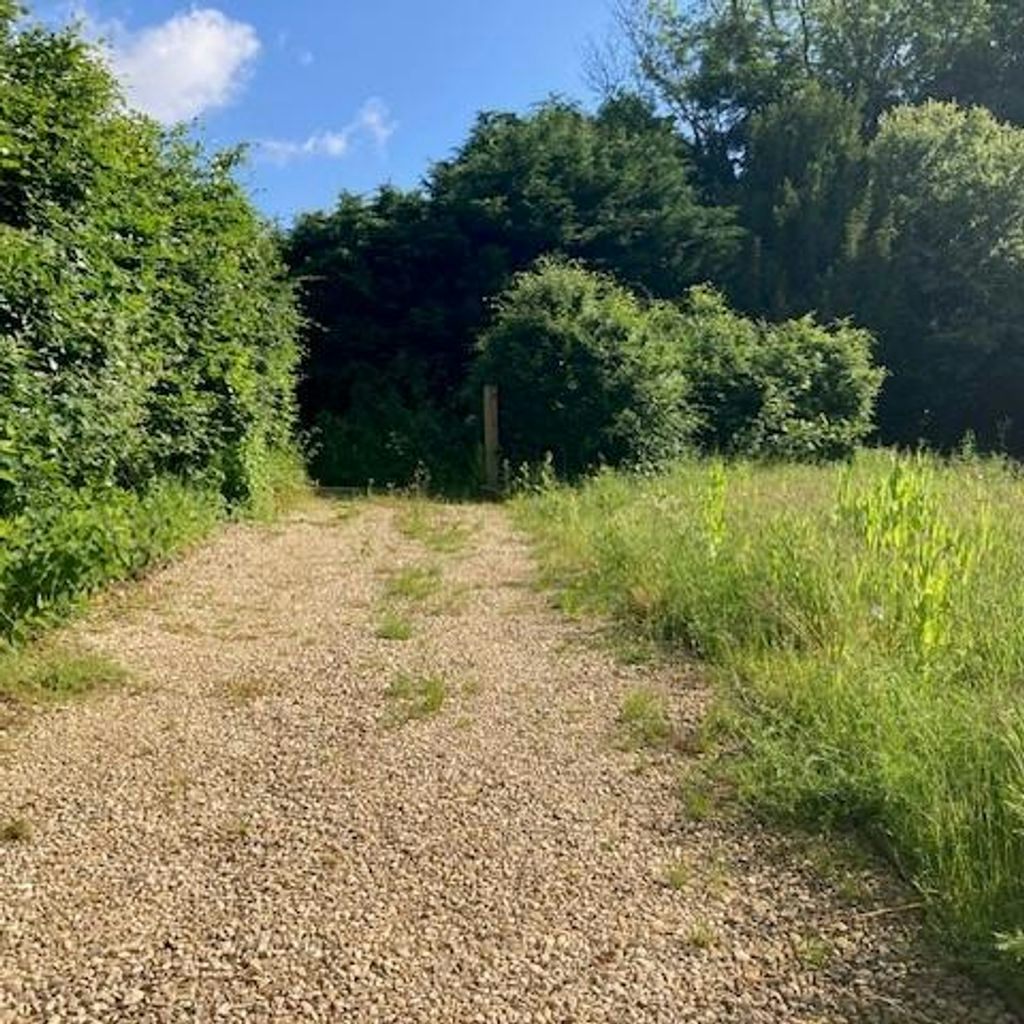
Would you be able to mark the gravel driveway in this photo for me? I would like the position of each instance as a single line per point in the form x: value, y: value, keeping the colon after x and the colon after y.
x: 285, y: 816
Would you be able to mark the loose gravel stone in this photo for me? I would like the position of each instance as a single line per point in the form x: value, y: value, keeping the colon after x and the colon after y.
x: 250, y: 834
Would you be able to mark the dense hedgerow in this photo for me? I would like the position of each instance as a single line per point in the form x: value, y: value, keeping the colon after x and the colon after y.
x: 147, y: 333
x: 591, y: 374
x: 863, y: 624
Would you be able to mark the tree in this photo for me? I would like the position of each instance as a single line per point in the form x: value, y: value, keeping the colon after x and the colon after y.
x: 613, y: 189
x: 936, y: 267
x: 712, y: 65
x: 806, y: 172
x: 397, y: 287
x: 716, y: 63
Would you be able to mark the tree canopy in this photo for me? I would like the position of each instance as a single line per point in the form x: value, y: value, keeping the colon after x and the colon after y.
x: 854, y: 160
x: 397, y: 286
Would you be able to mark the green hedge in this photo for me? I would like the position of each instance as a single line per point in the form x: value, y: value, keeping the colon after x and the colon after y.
x: 147, y: 330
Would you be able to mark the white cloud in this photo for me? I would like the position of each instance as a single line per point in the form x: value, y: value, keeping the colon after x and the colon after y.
x: 185, y: 66
x: 373, y: 121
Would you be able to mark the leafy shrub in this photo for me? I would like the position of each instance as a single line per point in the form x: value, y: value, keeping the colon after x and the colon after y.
x: 147, y: 332
x: 584, y: 371
x: 393, y: 434
x: 69, y: 546
x: 792, y: 390
x: 146, y: 327
x: 590, y: 373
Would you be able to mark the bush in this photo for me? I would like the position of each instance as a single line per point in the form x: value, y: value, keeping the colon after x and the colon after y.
x: 146, y: 326
x: 588, y: 372
x: 69, y: 546
x: 792, y: 390
x: 392, y: 435
x: 584, y: 371
x: 147, y: 333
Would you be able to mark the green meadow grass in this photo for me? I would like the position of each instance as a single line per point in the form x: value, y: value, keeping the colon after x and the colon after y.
x: 865, y: 624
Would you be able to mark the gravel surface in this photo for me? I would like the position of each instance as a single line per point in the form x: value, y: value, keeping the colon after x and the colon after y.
x: 266, y: 826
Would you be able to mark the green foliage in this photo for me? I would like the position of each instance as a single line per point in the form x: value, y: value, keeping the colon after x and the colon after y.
x: 937, y: 255
x: 147, y: 332
x: 863, y: 625
x: 914, y: 233
x: 791, y: 390
x: 804, y: 176
x: 396, y: 288
x: 612, y: 189
x: 717, y: 65
x: 392, y: 433
x: 58, y: 550
x: 583, y: 371
x: 592, y: 375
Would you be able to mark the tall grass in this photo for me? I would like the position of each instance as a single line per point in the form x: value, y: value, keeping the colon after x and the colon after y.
x: 865, y: 625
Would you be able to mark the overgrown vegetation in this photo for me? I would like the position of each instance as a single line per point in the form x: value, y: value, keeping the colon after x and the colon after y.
x: 862, y: 622
x: 147, y: 334
x: 392, y: 338
x: 589, y: 374
x: 47, y: 672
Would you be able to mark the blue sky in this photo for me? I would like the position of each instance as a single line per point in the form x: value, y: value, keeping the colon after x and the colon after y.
x: 341, y: 94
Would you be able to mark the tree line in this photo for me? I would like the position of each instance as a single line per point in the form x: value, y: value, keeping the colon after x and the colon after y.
x: 854, y: 160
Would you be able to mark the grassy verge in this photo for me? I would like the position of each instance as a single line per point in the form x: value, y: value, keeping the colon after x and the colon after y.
x: 863, y: 623
x: 45, y: 673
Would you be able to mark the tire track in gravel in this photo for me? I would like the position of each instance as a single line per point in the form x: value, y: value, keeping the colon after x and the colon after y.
x: 243, y: 835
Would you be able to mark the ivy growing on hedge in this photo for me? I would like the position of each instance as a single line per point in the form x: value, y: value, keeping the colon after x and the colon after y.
x: 147, y: 330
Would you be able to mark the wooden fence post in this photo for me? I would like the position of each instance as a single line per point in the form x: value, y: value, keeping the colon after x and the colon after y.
x: 491, y: 438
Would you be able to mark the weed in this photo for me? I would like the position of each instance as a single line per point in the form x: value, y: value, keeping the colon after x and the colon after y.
x: 702, y: 934
x: 432, y: 527
x: 49, y: 673
x: 696, y: 792
x: 393, y: 626
x: 812, y: 951
x: 178, y: 785
x: 450, y: 601
x: 237, y: 829
x: 862, y: 626
x: 644, y: 720
x: 678, y: 874
x: 415, y: 697
x: 247, y: 690
x: 415, y: 583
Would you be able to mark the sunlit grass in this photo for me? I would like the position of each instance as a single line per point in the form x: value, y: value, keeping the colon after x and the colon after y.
x: 48, y: 673
x: 863, y: 624
x: 414, y: 697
